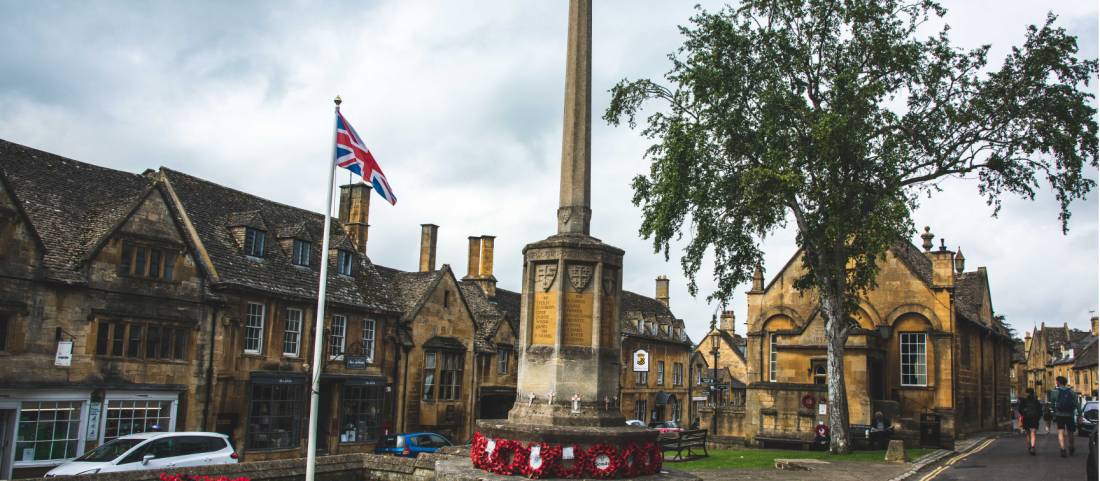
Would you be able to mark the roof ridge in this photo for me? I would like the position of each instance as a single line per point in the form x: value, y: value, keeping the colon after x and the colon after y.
x: 241, y: 192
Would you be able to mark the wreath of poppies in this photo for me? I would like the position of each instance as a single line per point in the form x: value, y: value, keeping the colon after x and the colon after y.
x: 541, y: 460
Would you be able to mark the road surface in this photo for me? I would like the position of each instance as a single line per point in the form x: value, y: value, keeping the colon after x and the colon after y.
x: 1006, y: 459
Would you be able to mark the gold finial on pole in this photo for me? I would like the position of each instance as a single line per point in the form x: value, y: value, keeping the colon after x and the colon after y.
x: 337, y: 100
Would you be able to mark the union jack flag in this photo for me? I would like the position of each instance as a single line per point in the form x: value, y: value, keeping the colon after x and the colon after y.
x: 353, y: 154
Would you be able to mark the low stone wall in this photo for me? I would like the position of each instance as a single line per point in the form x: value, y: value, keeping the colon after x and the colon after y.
x: 343, y: 467
x: 731, y: 421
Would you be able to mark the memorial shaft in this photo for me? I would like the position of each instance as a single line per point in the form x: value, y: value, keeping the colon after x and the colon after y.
x: 574, y: 208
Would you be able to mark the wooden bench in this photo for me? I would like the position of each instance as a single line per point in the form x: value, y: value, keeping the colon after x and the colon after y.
x: 688, y: 439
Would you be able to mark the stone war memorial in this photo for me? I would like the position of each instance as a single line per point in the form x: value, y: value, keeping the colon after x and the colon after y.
x: 566, y: 421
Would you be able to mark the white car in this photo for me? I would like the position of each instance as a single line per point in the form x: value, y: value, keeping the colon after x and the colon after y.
x: 156, y: 450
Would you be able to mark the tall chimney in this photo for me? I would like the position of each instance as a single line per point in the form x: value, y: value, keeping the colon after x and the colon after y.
x: 427, y: 246
x: 486, y: 264
x: 1094, y: 320
x: 473, y: 264
x: 758, y: 279
x: 662, y: 290
x: 727, y: 323
x: 485, y: 278
x: 355, y: 213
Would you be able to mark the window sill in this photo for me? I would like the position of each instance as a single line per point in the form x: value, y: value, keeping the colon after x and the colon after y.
x: 142, y: 360
x: 291, y: 356
x: 273, y: 450
x: 252, y: 355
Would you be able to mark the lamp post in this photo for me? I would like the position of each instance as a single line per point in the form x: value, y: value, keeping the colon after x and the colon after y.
x: 714, y: 379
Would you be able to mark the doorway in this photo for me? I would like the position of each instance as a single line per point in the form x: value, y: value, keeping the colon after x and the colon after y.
x: 7, y: 441
x: 326, y: 422
x: 875, y: 386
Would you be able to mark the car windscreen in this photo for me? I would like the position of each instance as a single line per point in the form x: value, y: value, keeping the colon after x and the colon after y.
x: 110, y: 451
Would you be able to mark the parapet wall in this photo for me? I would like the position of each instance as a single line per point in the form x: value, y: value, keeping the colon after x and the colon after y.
x: 343, y: 467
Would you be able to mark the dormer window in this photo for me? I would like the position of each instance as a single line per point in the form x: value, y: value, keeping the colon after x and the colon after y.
x: 300, y: 253
x: 254, y: 241
x: 343, y: 262
x: 144, y: 261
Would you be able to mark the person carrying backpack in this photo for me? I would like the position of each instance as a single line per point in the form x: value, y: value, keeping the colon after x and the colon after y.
x: 1064, y: 403
x: 1030, y: 413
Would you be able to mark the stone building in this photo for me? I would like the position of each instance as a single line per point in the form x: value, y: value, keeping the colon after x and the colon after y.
x: 1052, y: 352
x: 104, y: 318
x: 460, y: 360
x: 661, y: 392
x: 926, y: 349
x: 261, y: 261
x: 1084, y: 371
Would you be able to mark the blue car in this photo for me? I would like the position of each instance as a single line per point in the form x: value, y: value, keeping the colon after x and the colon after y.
x: 411, y: 444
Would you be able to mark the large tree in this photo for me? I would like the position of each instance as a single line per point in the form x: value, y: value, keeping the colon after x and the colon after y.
x: 840, y: 116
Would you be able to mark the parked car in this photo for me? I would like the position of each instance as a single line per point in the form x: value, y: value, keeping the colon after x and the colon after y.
x: 1086, y: 422
x: 666, y: 427
x: 636, y: 423
x: 156, y: 450
x: 411, y: 445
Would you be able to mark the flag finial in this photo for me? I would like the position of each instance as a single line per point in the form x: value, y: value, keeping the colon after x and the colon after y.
x: 337, y: 100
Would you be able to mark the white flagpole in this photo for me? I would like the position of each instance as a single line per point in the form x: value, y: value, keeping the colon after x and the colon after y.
x: 319, y: 329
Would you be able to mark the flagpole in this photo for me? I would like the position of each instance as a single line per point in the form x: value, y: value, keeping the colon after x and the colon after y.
x: 319, y: 329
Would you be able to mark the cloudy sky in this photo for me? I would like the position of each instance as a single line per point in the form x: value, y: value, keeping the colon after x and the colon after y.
x: 461, y: 101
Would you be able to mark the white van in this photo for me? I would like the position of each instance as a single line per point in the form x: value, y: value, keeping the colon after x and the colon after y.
x: 152, y: 451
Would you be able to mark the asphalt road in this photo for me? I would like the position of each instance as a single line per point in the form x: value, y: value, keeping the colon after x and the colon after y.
x: 1006, y: 459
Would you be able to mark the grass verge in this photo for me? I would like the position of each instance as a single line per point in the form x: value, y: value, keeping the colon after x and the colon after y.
x: 765, y: 458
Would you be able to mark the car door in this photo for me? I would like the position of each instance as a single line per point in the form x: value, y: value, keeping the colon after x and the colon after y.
x: 163, y: 451
x: 192, y: 451
x: 439, y: 441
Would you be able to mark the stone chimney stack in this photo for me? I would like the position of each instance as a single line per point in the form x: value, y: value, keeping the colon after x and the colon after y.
x: 355, y: 213
x: 943, y: 265
x: 1094, y: 327
x: 479, y: 269
x: 728, y: 322
x: 428, y: 234
x: 662, y: 290
x: 1027, y: 343
x: 473, y: 265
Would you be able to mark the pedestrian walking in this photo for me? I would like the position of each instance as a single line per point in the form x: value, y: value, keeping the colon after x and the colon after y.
x: 1030, y: 413
x: 1064, y: 403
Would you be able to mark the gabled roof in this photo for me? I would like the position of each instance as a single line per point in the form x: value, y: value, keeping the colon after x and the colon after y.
x: 636, y: 306
x: 214, y: 209
x: 909, y: 254
x: 1087, y: 357
x: 71, y: 205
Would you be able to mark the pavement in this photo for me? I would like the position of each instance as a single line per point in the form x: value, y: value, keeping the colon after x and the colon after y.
x: 1006, y: 458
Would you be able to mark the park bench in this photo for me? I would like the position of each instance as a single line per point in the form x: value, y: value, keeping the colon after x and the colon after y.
x: 688, y: 439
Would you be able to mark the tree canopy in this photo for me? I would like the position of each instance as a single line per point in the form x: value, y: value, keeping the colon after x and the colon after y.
x: 841, y: 116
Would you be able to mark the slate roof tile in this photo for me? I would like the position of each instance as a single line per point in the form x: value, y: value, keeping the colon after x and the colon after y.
x: 205, y: 205
x: 71, y: 204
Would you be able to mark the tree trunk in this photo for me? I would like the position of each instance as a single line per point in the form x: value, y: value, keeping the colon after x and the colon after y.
x: 836, y: 334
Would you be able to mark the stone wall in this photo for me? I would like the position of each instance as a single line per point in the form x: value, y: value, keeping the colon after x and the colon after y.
x: 344, y: 467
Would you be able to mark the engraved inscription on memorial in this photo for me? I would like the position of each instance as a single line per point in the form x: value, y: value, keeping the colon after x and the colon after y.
x: 577, y: 325
x: 544, y: 322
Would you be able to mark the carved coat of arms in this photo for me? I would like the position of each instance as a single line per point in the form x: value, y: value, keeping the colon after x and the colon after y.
x: 580, y: 276
x: 544, y: 275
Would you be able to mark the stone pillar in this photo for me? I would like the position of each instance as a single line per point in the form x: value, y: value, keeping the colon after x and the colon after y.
x: 574, y: 209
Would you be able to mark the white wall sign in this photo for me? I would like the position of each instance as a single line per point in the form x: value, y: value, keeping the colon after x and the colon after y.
x: 640, y: 360
x: 64, y: 354
x: 822, y: 408
x: 92, y: 433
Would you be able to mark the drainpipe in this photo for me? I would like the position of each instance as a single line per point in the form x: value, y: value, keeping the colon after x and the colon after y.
x: 396, y: 388
x: 209, y: 357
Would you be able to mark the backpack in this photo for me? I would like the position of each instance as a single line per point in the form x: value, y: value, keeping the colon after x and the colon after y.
x: 1065, y: 402
x: 1032, y: 409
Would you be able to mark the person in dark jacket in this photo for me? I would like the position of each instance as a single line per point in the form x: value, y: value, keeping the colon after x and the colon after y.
x: 1030, y: 413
